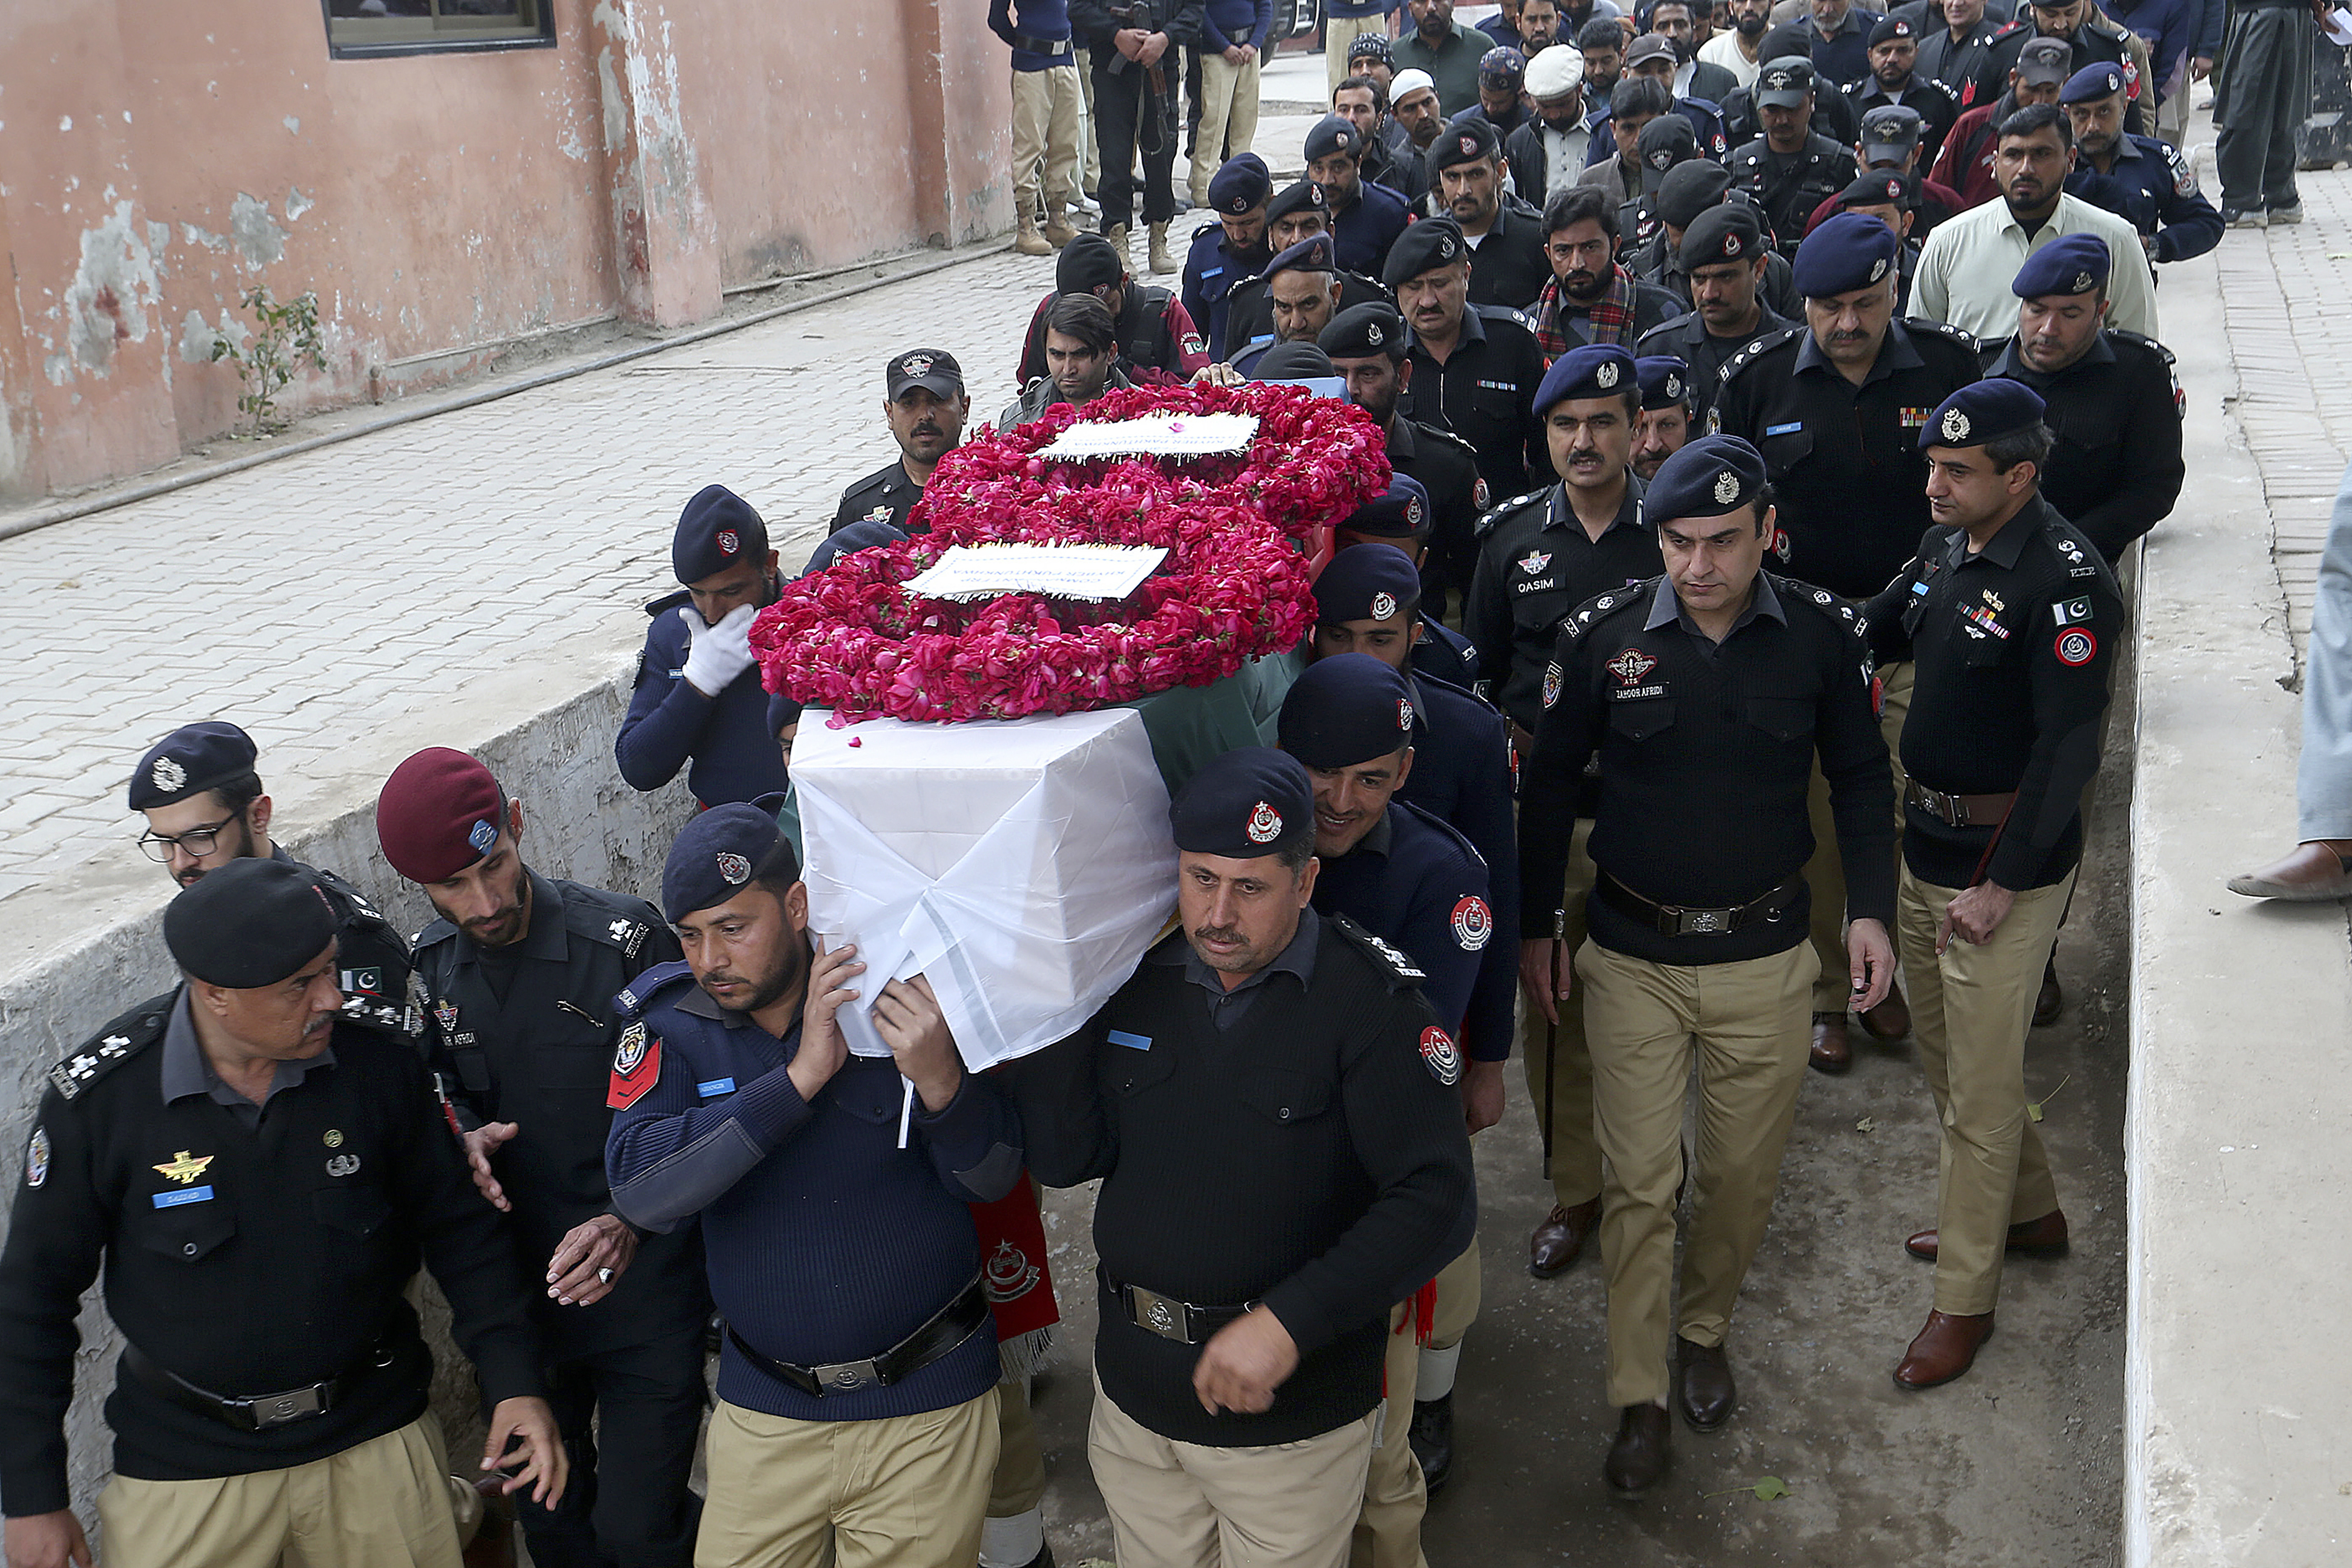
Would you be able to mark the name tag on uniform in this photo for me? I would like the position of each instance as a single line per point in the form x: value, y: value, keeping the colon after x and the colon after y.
x: 1213, y: 272
x: 176, y: 1199
x: 1789, y: 430
x: 1133, y: 1042
x: 716, y: 1086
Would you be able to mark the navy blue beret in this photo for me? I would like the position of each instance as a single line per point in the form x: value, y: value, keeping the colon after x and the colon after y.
x: 1346, y: 709
x: 251, y: 923
x: 869, y: 533
x: 1431, y: 243
x: 1366, y: 582
x: 1982, y: 411
x: 2069, y: 264
x: 1360, y: 331
x: 2092, y: 83
x: 1462, y: 141
x: 1293, y: 362
x: 1664, y: 379
x: 1729, y: 232
x: 1400, y: 511
x: 1589, y: 370
x: 1848, y: 251
x: 1502, y: 67
x: 783, y: 709
x: 1334, y: 133
x: 1241, y: 184
x: 1708, y: 477
x: 721, y: 853
x: 717, y: 530
x: 192, y: 758
x: 1313, y: 253
x: 1298, y: 197
x: 1246, y: 803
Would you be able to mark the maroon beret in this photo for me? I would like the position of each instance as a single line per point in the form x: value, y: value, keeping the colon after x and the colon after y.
x: 439, y: 812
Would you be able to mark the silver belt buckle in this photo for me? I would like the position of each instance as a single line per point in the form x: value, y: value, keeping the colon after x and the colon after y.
x: 1168, y: 1319
x: 295, y: 1405
x: 846, y: 1376
x: 1699, y: 923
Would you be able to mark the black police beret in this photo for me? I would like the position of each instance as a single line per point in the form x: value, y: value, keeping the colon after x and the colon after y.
x: 1241, y: 184
x: 870, y: 533
x: 1708, y: 477
x: 933, y: 370
x: 1300, y: 196
x: 1729, y: 231
x: 1463, y: 141
x: 2092, y: 83
x: 1245, y: 802
x: 1334, y: 133
x: 1293, y: 362
x: 1362, y: 331
x: 1890, y: 28
x: 1589, y: 370
x: 1848, y: 251
x: 1878, y: 188
x: 1400, y: 512
x: 1430, y: 244
x: 783, y: 709
x: 717, y: 530
x: 1982, y: 411
x: 249, y: 924
x: 1346, y: 709
x: 1366, y: 582
x: 191, y: 759
x: 1313, y: 253
x: 1087, y: 263
x: 1664, y: 379
x: 721, y: 853
x: 1689, y: 189
x: 2069, y: 264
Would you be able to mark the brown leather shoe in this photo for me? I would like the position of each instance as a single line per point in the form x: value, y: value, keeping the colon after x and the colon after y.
x: 1559, y: 1239
x: 1704, y: 1391
x: 1639, y: 1456
x: 2043, y: 1237
x: 1833, y: 1051
x: 2319, y: 870
x: 1891, y: 1019
x: 1944, y: 1350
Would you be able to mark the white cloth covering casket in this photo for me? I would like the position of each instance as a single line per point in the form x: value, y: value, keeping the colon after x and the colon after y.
x: 1024, y: 866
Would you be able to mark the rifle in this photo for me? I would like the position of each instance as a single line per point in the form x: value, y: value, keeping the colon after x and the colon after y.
x: 1156, y: 123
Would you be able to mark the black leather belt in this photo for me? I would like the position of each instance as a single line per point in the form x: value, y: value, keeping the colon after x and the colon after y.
x: 1678, y: 920
x: 1034, y: 45
x: 249, y: 1412
x: 1183, y: 1321
x: 941, y: 1333
x: 1959, y: 810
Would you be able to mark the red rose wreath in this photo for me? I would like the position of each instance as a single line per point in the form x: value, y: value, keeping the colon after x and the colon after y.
x: 1234, y: 584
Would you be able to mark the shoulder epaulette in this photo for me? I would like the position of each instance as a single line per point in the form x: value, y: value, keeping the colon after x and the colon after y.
x: 437, y: 931
x: 1831, y: 605
x: 608, y: 920
x: 1441, y: 434
x: 2001, y: 33
x: 1487, y: 519
x: 356, y: 905
x: 1761, y: 346
x: 638, y: 995
x: 117, y: 1042
x: 1967, y: 339
x: 668, y: 602
x: 1600, y: 606
x: 2143, y: 340
x: 1400, y: 972
x: 1518, y: 317
x: 1452, y: 834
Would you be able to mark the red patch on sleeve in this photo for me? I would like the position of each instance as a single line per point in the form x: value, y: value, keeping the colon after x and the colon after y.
x: 634, y: 1070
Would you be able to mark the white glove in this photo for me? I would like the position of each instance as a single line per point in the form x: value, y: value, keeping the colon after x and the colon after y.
x: 716, y: 654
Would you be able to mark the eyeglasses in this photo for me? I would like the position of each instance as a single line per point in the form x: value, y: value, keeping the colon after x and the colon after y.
x: 197, y: 843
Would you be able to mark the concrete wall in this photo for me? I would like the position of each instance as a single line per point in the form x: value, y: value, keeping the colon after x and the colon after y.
x: 592, y: 828
x: 156, y: 161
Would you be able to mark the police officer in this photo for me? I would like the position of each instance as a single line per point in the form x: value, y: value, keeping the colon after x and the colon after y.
x: 1666, y: 424
x: 519, y: 973
x: 1956, y: 52
x: 1717, y: 683
x: 1296, y: 215
x: 841, y: 1254
x: 1397, y: 521
x: 1790, y: 167
x: 1689, y: 190
x: 2011, y: 621
x: 1890, y: 197
x: 697, y: 702
x: 1836, y: 406
x: 1476, y: 368
x: 2110, y: 400
x: 1895, y: 79
x: 1159, y: 342
x: 1366, y: 217
x: 1507, y: 264
x: 1542, y: 554
x: 2135, y: 176
x: 206, y: 808
x: 926, y: 406
x: 1303, y: 287
x: 1724, y: 259
x: 1272, y: 1107
x: 259, y: 1180
x: 2091, y: 39
x: 1367, y: 346
x: 1232, y: 249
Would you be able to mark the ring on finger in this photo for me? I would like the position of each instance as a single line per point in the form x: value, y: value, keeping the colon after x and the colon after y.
x: 604, y: 1277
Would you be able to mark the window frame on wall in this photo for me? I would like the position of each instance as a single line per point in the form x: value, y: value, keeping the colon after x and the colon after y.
x: 375, y: 37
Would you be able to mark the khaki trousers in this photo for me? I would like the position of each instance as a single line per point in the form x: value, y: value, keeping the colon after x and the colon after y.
x: 1046, y: 114
x: 1228, y: 115
x: 1020, y: 1480
x: 1089, y: 146
x: 1749, y: 1022
x: 381, y: 1504
x: 1825, y: 874
x: 1180, y: 1504
x: 1575, y: 1155
x: 1387, y: 1530
x: 1339, y: 32
x: 1970, y: 1010
x: 906, y: 1491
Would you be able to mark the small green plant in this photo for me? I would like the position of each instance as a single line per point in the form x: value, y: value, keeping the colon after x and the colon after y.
x: 285, y: 339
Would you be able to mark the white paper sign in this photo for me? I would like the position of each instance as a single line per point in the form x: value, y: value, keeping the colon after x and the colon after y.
x: 1058, y: 570
x: 1157, y: 436
x: 1022, y: 866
